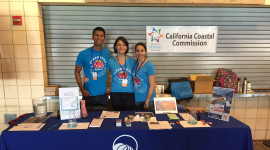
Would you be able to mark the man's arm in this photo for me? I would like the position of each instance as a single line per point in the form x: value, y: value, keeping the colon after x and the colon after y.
x: 79, y: 80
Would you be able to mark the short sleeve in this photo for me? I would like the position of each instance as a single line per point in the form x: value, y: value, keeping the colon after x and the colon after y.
x: 151, y: 69
x: 80, y: 59
x: 110, y: 64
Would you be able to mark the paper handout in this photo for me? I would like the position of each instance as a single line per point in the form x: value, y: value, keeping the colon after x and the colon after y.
x: 27, y: 127
x: 81, y: 125
x: 159, y: 125
x: 110, y: 114
x: 96, y: 122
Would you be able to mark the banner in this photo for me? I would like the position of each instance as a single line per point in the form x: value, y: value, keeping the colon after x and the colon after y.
x: 188, y: 39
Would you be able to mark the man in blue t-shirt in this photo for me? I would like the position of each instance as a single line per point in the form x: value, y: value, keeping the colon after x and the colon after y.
x: 94, y: 62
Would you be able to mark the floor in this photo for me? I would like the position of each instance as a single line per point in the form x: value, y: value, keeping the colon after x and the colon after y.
x: 258, y: 145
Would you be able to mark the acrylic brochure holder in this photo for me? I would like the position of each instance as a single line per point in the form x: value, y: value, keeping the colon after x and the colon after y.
x: 69, y: 100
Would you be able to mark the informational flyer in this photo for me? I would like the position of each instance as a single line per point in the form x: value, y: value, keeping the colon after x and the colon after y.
x: 69, y: 103
x: 220, y: 105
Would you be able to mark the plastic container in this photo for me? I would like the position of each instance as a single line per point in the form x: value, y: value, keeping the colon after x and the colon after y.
x: 40, y: 106
x: 193, y: 116
x: 244, y: 89
x: 248, y: 86
x: 239, y: 85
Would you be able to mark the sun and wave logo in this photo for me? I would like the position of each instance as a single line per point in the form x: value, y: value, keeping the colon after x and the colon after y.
x: 122, y: 75
x: 125, y: 142
x: 98, y: 64
x: 155, y: 35
x: 137, y: 81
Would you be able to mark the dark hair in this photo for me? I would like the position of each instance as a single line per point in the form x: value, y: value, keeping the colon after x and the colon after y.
x: 124, y: 40
x: 98, y: 29
x: 141, y: 44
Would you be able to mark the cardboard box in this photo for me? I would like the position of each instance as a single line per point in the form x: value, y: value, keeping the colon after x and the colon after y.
x: 51, y: 88
x: 193, y: 77
x: 203, y: 85
x: 55, y: 93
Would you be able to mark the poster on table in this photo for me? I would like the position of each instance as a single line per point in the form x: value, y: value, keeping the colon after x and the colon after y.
x: 186, y: 39
x: 220, y: 105
x: 69, y: 100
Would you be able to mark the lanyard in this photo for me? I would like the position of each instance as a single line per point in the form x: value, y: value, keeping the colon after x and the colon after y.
x: 137, y: 70
x: 121, y: 66
x: 92, y: 57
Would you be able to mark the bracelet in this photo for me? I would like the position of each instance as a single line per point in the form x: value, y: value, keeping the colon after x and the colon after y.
x: 146, y: 104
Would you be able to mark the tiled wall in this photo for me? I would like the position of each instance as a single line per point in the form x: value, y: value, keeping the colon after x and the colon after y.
x: 23, y: 71
x: 254, y: 112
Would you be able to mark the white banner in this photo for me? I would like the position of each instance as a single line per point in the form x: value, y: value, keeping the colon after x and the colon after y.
x: 163, y: 39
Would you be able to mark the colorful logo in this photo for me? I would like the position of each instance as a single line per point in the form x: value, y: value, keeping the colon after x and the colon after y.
x: 137, y: 81
x: 98, y: 64
x: 155, y: 35
x: 122, y: 74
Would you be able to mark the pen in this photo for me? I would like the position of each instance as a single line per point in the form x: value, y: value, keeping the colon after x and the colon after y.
x: 39, y: 125
x: 52, y: 127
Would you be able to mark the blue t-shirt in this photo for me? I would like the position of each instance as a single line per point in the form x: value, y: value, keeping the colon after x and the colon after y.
x: 88, y: 59
x: 141, y: 79
x: 119, y: 73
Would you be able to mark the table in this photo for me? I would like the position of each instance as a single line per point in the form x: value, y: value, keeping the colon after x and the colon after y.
x: 232, y: 135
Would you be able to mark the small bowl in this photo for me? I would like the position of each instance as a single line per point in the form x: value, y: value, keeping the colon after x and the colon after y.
x: 131, y: 117
x: 147, y: 117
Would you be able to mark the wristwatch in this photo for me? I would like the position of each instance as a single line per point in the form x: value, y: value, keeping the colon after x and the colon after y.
x: 146, y: 104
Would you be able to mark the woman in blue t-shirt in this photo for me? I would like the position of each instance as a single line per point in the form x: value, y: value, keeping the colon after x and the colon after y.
x: 144, y: 79
x: 122, y: 90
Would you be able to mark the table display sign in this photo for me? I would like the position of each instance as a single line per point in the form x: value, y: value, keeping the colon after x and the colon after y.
x: 220, y: 105
x: 188, y: 39
x: 69, y: 100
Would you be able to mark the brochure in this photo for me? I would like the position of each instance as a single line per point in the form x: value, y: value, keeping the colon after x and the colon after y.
x: 220, y: 105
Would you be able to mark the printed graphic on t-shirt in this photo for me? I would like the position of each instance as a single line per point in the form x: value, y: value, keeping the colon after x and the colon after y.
x: 141, y: 86
x: 118, y: 74
x: 137, y: 81
x: 99, y: 66
x: 122, y: 75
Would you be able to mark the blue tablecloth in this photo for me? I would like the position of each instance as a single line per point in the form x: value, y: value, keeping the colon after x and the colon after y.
x: 232, y: 135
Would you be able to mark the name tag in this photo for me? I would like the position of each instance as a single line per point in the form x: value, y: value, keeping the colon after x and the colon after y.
x: 94, y: 75
x: 136, y: 87
x: 124, y: 83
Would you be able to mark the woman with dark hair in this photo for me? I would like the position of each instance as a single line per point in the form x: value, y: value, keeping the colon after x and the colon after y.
x: 122, y: 90
x: 144, y: 79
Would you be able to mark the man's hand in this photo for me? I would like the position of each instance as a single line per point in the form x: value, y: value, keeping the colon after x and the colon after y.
x: 145, y: 107
x: 85, y: 93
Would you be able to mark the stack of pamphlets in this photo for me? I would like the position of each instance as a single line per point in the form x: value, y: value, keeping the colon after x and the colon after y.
x: 173, y: 117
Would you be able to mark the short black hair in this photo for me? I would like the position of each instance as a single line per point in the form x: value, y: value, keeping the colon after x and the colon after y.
x: 124, y: 40
x: 141, y: 44
x: 98, y: 29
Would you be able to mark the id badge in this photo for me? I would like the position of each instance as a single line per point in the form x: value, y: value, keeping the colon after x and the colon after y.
x: 136, y: 87
x: 124, y: 83
x: 94, y: 75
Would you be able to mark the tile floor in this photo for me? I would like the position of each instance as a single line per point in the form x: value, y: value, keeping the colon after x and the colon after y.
x: 258, y: 145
